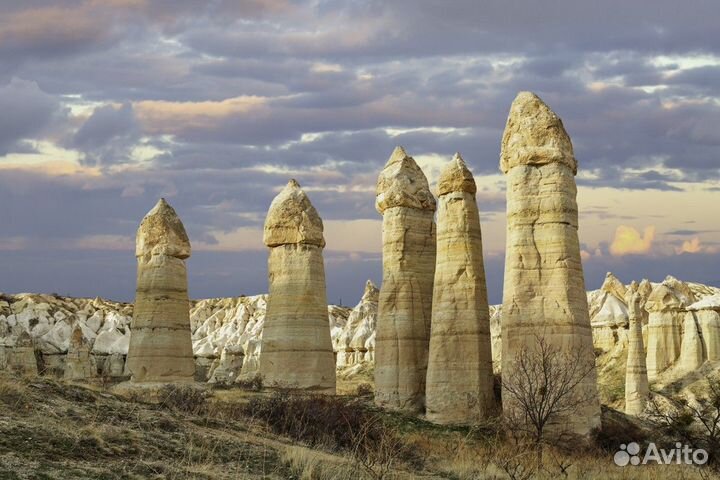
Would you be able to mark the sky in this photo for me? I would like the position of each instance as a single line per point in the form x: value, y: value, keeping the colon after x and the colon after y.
x: 107, y: 105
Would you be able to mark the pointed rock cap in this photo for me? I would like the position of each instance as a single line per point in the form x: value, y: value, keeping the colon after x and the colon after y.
x: 682, y: 290
x: 162, y: 233
x: 663, y: 299
x: 291, y: 219
x: 614, y: 286
x: 456, y: 177
x: 534, y: 135
x: 77, y: 338
x: 371, y: 292
x: 635, y: 306
x: 403, y: 184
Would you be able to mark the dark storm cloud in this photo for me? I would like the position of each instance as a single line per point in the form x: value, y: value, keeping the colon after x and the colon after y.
x: 107, y: 136
x: 26, y: 112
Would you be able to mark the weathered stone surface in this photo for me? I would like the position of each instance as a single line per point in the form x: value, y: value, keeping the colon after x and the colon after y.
x: 544, y: 289
x: 664, y: 329
x: 707, y: 312
x: 229, y: 365
x: 292, y: 219
x: 691, y: 350
x: 296, y: 345
x: 79, y: 364
x: 459, y: 387
x: 21, y: 357
x: 355, y: 343
x: 160, y: 347
x: 403, y: 330
x: 637, y: 389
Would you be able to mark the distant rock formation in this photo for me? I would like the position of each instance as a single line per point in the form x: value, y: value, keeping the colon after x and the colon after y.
x: 21, y: 357
x: 666, y: 306
x: 544, y: 290
x: 637, y: 389
x: 160, y: 347
x: 296, y: 344
x: 707, y: 312
x: 354, y: 343
x: 79, y: 364
x: 459, y: 386
x: 403, y: 328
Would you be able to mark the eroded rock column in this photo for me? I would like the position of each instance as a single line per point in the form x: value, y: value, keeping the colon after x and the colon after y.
x: 403, y: 327
x: 160, y: 343
x: 544, y: 289
x: 459, y: 386
x: 636, y: 378
x: 664, y: 329
x: 296, y: 345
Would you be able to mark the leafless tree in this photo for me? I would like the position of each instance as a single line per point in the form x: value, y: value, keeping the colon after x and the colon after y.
x: 544, y: 389
x: 376, y: 448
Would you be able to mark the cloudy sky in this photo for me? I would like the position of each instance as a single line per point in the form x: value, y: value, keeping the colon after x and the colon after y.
x: 106, y: 105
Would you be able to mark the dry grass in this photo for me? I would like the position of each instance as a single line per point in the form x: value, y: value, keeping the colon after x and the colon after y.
x: 52, y: 430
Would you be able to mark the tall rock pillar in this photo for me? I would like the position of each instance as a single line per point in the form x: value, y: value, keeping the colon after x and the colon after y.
x: 160, y: 343
x: 403, y: 327
x: 637, y: 389
x: 296, y: 345
x: 544, y: 289
x: 459, y: 379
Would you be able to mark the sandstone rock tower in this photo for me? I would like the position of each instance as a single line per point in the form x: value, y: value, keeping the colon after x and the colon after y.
x: 544, y: 289
x: 459, y: 386
x: 79, y: 365
x: 296, y: 346
x: 664, y: 328
x: 160, y: 343
x: 404, y: 309
x: 636, y: 379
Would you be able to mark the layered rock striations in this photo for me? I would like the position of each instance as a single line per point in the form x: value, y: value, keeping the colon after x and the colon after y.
x: 354, y: 344
x: 459, y: 387
x: 160, y: 347
x: 707, y: 313
x: 79, y: 364
x: 544, y: 289
x: 296, y: 344
x: 666, y: 307
x: 637, y: 389
x: 403, y: 328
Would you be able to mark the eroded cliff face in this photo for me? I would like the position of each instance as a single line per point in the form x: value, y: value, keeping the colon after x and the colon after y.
x: 237, y: 323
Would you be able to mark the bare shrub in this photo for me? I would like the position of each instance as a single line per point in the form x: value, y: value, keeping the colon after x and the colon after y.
x: 253, y: 384
x: 376, y: 447
x: 184, y: 398
x: 544, y: 389
x: 364, y: 390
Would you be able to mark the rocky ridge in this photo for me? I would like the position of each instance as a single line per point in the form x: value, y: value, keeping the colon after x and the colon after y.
x: 235, y: 325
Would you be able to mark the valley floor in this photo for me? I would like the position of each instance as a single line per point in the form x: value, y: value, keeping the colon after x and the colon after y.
x: 54, y: 430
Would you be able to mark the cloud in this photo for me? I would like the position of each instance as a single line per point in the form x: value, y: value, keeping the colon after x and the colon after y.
x: 107, y: 136
x: 689, y: 246
x: 26, y: 113
x: 629, y: 241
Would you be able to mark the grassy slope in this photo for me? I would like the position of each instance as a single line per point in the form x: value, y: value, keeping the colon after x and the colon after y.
x: 52, y: 430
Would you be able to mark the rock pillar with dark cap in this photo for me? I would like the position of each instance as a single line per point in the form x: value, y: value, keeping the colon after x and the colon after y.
x: 297, y: 348
x: 544, y: 289
x: 459, y: 379
x: 403, y: 327
x: 160, y: 342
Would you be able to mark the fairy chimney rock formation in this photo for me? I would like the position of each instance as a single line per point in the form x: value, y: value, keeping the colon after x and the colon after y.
x: 403, y: 326
x: 459, y: 386
x: 160, y: 343
x: 79, y: 364
x: 666, y: 316
x: 296, y: 345
x: 707, y: 312
x: 544, y: 289
x: 637, y: 389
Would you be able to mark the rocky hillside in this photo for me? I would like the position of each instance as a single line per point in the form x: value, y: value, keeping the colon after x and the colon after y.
x: 77, y: 337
